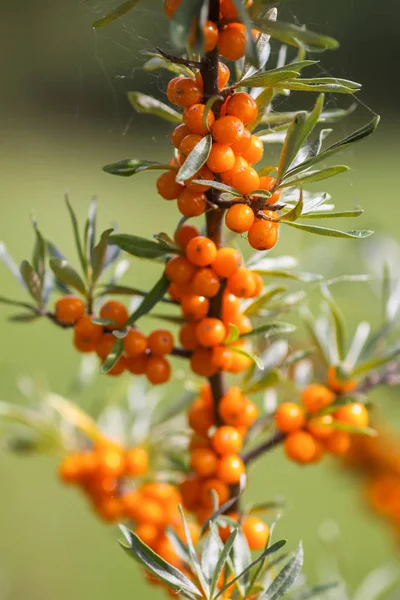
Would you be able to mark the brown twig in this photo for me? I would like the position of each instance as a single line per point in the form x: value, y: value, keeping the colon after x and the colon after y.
x: 179, y: 60
x: 261, y: 449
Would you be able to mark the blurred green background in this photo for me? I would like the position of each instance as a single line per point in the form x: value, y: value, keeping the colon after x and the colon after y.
x: 63, y: 115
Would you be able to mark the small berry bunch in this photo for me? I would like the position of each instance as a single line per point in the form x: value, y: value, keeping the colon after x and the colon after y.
x: 143, y: 355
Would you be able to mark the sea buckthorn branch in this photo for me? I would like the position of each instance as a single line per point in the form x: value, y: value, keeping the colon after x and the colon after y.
x: 179, y: 60
x: 263, y: 448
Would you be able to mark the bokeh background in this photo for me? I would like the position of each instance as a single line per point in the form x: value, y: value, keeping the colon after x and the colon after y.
x: 63, y: 115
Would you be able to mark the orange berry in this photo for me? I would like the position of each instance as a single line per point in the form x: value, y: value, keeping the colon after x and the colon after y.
x: 263, y: 235
x: 210, y: 332
x: 268, y: 183
x: 118, y: 368
x: 242, y: 143
x: 222, y: 358
x: 221, y: 158
x: 137, y: 365
x: 179, y: 134
x: 249, y: 415
x: 256, y: 532
x: 242, y: 322
x: 227, y: 130
x: 230, y: 306
x: 226, y: 262
x: 316, y: 397
x: 161, y: 491
x: 201, y: 362
x: 337, y: 385
x: 239, y: 218
x: 198, y: 441
x: 184, y: 234
x: 224, y: 533
x: 179, y: 270
x: 219, y: 487
x: 245, y: 180
x: 105, y: 345
x: 240, y: 362
x: 109, y: 509
x: 210, y: 34
x: 88, y: 332
x: 191, y: 203
x: 242, y: 106
x: 178, y: 291
x: 289, y: 417
x: 300, y: 446
x: 190, y: 489
x: 206, y: 283
x: 160, y: 342
x: 170, y: 7
x: 232, y: 406
x: 223, y: 75
x: 187, y: 336
x: 201, y: 417
x: 259, y: 284
x: 88, y: 465
x: 69, y: 309
x: 230, y: 468
x: 189, y: 143
x: 321, y: 427
x: 355, y: 415
x: 193, y: 118
x: 255, y: 151
x: 168, y: 187
x: 136, y: 462
x: 203, y: 174
x: 111, y: 461
x: 131, y: 502
x: 183, y: 91
x: 201, y: 251
x: 195, y: 307
x: 242, y: 283
x: 150, y: 511
x: 158, y: 370
x: 227, y: 440
x: 148, y: 533
x: 204, y: 461
x: 228, y: 9
x: 232, y: 41
x: 135, y: 343
x: 69, y: 471
x: 115, y: 311
x: 338, y: 443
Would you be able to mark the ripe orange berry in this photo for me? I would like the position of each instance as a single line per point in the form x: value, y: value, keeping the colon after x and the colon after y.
x: 219, y: 487
x: 230, y: 468
x: 160, y: 491
x: 109, y: 509
x: 242, y: 106
x: 158, y: 370
x: 183, y: 91
x: 300, y: 446
x: 221, y: 158
x: 201, y: 362
x: 223, y: 75
x: 256, y: 532
x: 69, y: 309
x: 137, y: 365
x: 187, y: 336
x: 242, y: 283
x: 242, y: 143
x: 337, y: 385
x: 230, y: 306
x: 191, y: 203
x: 83, y: 345
x: 316, y: 397
x: 88, y: 332
x: 179, y: 134
x: 228, y: 9
x: 184, y: 234
x: 201, y: 417
x: 135, y: 343
x: 227, y: 440
x: 232, y: 406
x: 240, y: 362
x: 170, y: 7
x: 136, y: 462
x: 190, y: 489
x: 222, y: 358
x: 338, y: 443
x: 105, y: 345
x: 201, y: 251
x: 289, y: 417
x: 111, y: 461
x: 160, y: 342
x: 245, y: 180
x: 255, y: 151
x: 168, y: 187
x: 205, y: 175
x: 239, y: 218
x: 232, y: 41
x: 249, y: 415
x: 178, y: 291
x: 210, y: 332
x: 131, y: 501
x: 227, y: 130
x: 204, y: 461
x: 206, y: 282
x: 148, y: 533
x: 210, y: 34
x: 195, y: 307
x: 263, y: 235
x: 69, y: 471
x: 150, y: 511
x: 226, y: 262
x: 179, y: 270
x: 242, y: 322
x: 115, y: 311
x: 259, y: 284
x: 189, y: 143
x: 321, y: 427
x: 193, y: 118
x: 355, y: 415
x: 118, y: 368
x: 268, y: 183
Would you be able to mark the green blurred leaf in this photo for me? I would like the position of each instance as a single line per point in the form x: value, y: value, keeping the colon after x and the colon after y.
x: 150, y: 300
x: 193, y: 556
x: 297, y: 36
x: 32, y: 281
x: 296, y: 211
x: 8, y: 261
x: 311, y: 176
x: 263, y: 50
x: 338, y: 321
x: 319, y: 84
x: 77, y: 237
x: 99, y: 255
x: 10, y: 302
x: 131, y: 166
x: 157, y: 61
x: 334, y: 215
x: 253, y: 307
x: 165, y: 240
x: 276, y: 328
x: 140, y: 247
x: 286, y: 577
x: 267, y: 78
x: 148, y: 105
x: 253, y: 357
x: 270, y: 379
x: 65, y: 273
x: 232, y: 336
x: 354, y: 430
x: 115, y: 14
x: 317, y: 229
x: 195, y: 160
x: 182, y: 22
x: 304, y: 277
x: 220, y: 563
x: 39, y: 253
x: 217, y: 185
x: 298, y: 356
x: 112, y: 359
x: 313, y: 591
x: 374, y: 363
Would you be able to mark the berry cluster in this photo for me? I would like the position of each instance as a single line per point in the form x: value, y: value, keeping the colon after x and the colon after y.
x: 143, y: 355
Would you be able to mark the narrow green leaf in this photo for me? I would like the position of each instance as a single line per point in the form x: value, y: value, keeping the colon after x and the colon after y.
x: 292, y: 144
x: 374, y: 363
x: 157, y: 565
x: 10, y: 302
x: 354, y: 430
x: 217, y: 185
x: 24, y: 317
x: 297, y: 36
x: 286, y: 578
x: 89, y: 235
x: 254, y: 306
x: 157, y: 61
x: 210, y: 555
x: 32, y: 281
x: 99, y: 255
x: 221, y: 562
x: 115, y: 14
x: 178, y: 545
x: 260, y: 194
x: 8, y: 261
x: 131, y: 166
x: 263, y: 51
x: 319, y: 84
x: 276, y: 328
x: 148, y: 105
x: 232, y: 336
x: 77, y: 237
x: 311, y: 592
x: 39, y: 253
x: 65, y: 273
x: 338, y: 321
x: 253, y: 357
x: 305, y: 277
x: 193, y: 556
x: 317, y: 229
x: 115, y: 354
x: 296, y: 211
x: 297, y: 357
x: 270, y: 379
x: 334, y: 215
x: 182, y: 21
x: 140, y: 247
x: 150, y: 300
x: 195, y: 160
x: 165, y: 240
x: 312, y: 176
x: 267, y: 78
